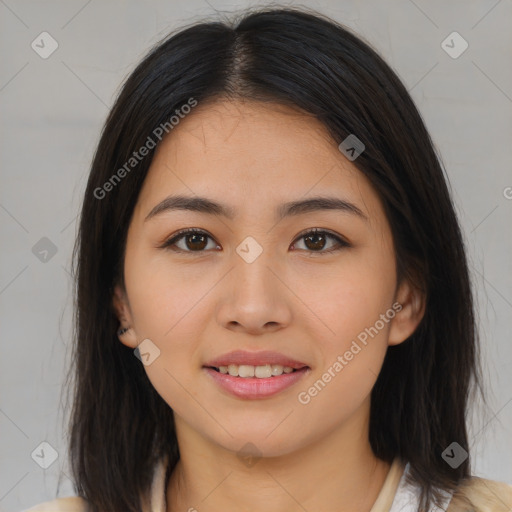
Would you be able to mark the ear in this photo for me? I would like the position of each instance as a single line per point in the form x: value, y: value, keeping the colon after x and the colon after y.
x: 407, y: 319
x: 124, y: 315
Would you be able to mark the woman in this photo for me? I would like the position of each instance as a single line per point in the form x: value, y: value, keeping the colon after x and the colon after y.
x: 273, y: 302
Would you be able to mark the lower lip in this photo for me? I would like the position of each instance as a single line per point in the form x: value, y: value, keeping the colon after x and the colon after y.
x: 253, y: 387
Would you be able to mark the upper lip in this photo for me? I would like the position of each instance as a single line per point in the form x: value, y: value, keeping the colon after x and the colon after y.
x: 261, y: 358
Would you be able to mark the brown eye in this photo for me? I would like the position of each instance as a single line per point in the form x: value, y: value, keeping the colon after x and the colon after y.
x: 191, y: 240
x: 316, y: 240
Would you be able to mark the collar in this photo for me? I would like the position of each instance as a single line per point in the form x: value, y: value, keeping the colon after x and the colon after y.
x: 407, y: 496
x: 157, y: 499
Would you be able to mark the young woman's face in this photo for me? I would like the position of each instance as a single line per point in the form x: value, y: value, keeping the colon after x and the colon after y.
x: 259, y: 280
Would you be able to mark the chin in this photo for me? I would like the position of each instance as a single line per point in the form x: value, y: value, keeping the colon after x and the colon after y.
x: 258, y: 443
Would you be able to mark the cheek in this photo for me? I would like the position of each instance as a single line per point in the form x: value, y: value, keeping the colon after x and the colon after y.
x: 170, y: 306
x: 350, y: 297
x: 161, y: 294
x: 165, y: 305
x: 352, y: 348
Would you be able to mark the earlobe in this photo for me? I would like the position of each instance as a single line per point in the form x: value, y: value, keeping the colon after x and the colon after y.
x: 127, y: 336
x: 410, y: 315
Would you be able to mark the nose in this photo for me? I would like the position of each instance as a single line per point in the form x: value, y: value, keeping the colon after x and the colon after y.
x: 254, y: 299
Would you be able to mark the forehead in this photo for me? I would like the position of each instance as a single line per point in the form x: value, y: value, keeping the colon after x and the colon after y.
x: 248, y: 153
x: 251, y: 132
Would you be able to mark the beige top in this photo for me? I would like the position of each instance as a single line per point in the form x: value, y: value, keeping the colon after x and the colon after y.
x: 394, y: 496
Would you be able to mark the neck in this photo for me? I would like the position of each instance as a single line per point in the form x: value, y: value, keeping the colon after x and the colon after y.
x: 337, y: 472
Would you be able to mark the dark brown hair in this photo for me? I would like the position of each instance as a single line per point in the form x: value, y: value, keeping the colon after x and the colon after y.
x: 120, y: 426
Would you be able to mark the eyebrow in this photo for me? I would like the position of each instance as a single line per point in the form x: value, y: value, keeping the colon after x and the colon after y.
x: 205, y: 205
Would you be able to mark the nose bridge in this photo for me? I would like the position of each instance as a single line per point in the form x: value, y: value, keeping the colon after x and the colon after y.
x: 254, y: 298
x: 253, y: 264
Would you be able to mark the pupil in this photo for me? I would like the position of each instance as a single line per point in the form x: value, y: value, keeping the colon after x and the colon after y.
x: 316, y: 244
x: 194, y: 239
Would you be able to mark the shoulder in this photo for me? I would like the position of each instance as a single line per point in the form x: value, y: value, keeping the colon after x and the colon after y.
x: 70, y: 504
x: 481, y: 495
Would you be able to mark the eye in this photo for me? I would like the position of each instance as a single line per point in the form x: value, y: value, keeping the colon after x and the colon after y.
x: 196, y: 240
x: 316, y: 241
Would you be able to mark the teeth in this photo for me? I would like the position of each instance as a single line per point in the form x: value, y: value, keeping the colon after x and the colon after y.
x: 277, y: 369
x: 261, y: 372
x: 244, y: 370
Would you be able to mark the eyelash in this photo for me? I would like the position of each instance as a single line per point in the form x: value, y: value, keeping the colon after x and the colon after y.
x: 341, y: 243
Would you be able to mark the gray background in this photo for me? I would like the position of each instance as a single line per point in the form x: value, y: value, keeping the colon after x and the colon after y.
x: 52, y: 111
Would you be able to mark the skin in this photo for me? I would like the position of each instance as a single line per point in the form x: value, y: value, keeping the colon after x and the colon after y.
x: 195, y: 306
